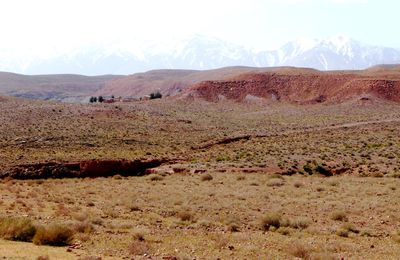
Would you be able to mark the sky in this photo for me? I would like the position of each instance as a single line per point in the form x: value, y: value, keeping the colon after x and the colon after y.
x: 49, y: 27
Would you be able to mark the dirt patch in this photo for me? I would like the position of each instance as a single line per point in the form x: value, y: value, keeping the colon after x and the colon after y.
x: 92, y: 168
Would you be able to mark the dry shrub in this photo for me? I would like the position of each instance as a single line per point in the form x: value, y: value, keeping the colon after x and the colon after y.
x: 206, y: 177
x: 275, y: 176
x: 323, y: 256
x: 138, y: 235
x: 97, y: 221
x: 53, y: 235
x: 43, y: 257
x: 283, y: 231
x: 110, y: 211
x: 206, y: 225
x: 232, y: 227
x: 366, y: 233
x: 275, y: 182
x: 83, y: 227
x: 342, y: 232
x: 300, y: 223
x: 139, y: 248
x: 185, y: 215
x: 240, y: 178
x: 333, y: 183
x: 339, y: 215
x: 300, y: 251
x: 155, y: 177
x: 271, y: 220
x: 18, y: 229
x: 350, y: 227
x: 298, y: 184
x: 90, y: 258
x: 80, y: 216
x: 396, y: 236
x: 232, y: 223
x: 220, y: 242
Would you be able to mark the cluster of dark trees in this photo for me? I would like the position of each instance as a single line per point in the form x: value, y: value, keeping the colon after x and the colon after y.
x: 96, y: 99
x: 155, y: 95
x: 101, y: 99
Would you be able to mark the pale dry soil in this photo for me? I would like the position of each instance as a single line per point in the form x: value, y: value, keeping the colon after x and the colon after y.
x: 118, y: 209
x: 191, y: 215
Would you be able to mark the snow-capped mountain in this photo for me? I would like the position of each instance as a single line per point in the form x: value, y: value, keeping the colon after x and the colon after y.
x: 335, y: 53
x: 200, y: 52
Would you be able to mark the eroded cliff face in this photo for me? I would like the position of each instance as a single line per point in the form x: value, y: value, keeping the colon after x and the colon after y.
x: 82, y: 169
x: 302, y: 88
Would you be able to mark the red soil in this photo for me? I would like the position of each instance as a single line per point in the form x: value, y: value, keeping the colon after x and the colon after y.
x: 300, y: 87
x: 83, y: 169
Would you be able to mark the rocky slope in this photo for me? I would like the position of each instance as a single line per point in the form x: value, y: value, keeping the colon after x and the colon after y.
x: 72, y: 88
x: 301, y: 86
x: 168, y: 82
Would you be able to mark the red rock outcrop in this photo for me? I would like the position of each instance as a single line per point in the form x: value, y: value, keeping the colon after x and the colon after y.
x: 91, y: 168
x: 301, y: 88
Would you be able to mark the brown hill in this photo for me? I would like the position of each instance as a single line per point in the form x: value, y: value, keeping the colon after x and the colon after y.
x: 302, y: 86
x: 57, y: 87
x: 168, y: 82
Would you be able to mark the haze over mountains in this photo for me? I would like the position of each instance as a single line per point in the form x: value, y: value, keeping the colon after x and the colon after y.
x: 201, y: 52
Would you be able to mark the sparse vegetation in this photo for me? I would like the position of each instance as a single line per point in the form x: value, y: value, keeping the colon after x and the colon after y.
x: 53, y: 235
x: 206, y: 177
x: 19, y: 229
x: 269, y: 182
x: 339, y: 215
x: 271, y: 220
x: 155, y: 95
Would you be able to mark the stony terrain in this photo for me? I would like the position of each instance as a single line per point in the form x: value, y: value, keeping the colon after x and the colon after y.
x: 63, y: 87
x: 250, y: 84
x: 237, y: 179
x: 302, y: 86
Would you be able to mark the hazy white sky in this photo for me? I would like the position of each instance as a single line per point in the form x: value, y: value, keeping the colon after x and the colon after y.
x: 52, y: 26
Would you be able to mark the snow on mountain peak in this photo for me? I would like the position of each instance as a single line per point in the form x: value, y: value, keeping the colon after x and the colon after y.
x: 202, y: 52
x: 304, y: 44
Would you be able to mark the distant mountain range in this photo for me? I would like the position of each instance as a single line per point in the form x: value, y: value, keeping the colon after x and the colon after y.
x: 201, y: 53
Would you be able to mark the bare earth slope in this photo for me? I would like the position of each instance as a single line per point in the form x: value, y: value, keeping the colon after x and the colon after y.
x: 242, y: 181
x: 56, y: 87
x: 302, y: 86
x: 168, y: 82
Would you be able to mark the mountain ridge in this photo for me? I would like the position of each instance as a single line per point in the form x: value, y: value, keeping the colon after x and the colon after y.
x: 204, y: 53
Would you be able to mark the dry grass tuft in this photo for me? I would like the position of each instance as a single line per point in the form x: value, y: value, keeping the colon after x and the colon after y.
x: 139, y: 248
x: 300, y: 223
x: 155, y: 177
x: 284, y: 231
x: 54, y: 235
x: 300, y: 251
x: 298, y: 184
x: 43, y: 257
x: 350, y: 227
x: 342, y: 232
x: 339, y: 215
x: 275, y: 182
x: 396, y: 236
x: 206, y: 177
x: 84, y: 227
x: 185, y: 215
x: 271, y: 220
x: 139, y: 236
x: 17, y: 229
